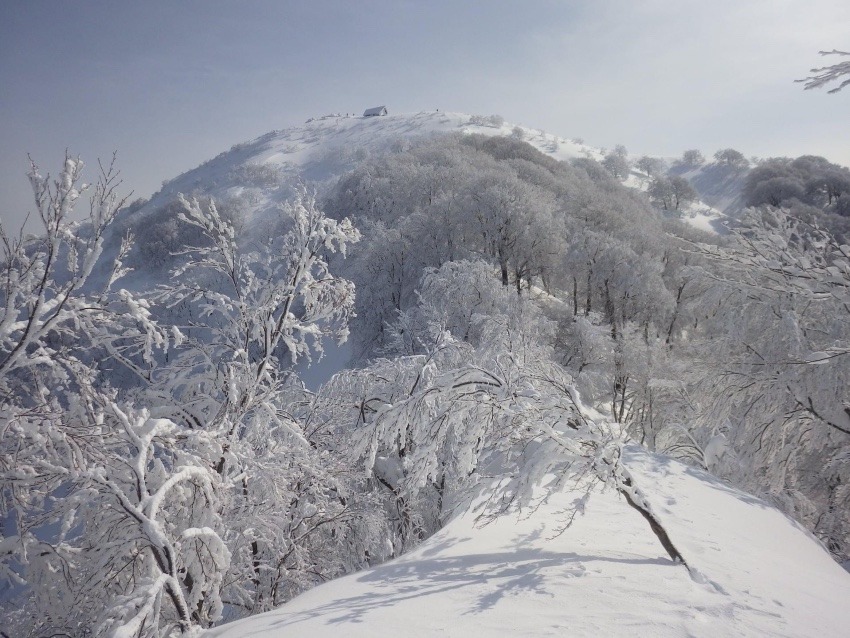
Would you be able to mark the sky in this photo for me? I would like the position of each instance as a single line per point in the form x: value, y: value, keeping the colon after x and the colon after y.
x: 172, y: 84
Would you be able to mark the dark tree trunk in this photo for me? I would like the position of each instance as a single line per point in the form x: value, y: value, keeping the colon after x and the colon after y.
x: 675, y: 313
x: 575, y: 297
x: 655, y: 525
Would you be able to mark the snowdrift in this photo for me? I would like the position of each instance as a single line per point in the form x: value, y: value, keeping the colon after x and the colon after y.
x: 757, y: 573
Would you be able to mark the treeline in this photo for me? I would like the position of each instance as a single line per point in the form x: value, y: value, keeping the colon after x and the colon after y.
x: 810, y: 187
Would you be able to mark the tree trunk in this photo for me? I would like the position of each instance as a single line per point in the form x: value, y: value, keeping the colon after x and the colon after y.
x: 575, y: 296
x: 675, y: 313
x: 655, y: 525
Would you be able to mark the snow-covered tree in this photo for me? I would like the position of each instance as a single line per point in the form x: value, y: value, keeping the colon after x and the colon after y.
x: 43, y: 277
x: 86, y: 481
x: 652, y: 166
x: 258, y: 313
x: 732, y: 158
x: 441, y: 422
x: 811, y: 179
x: 692, y: 158
x: 617, y: 164
x: 203, y: 483
x: 781, y: 352
x: 672, y: 193
x: 138, y: 550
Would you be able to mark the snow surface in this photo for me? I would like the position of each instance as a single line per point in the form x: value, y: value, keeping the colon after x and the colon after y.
x: 606, y: 575
x: 705, y: 218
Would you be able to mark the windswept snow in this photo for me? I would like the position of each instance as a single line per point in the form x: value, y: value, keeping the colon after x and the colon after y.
x: 757, y: 574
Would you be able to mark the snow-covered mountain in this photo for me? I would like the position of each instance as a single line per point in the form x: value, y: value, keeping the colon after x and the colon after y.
x: 261, y: 172
x: 256, y: 177
x: 754, y: 572
x: 323, y: 148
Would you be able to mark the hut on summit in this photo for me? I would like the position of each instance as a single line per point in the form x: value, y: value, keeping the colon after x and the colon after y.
x: 378, y: 110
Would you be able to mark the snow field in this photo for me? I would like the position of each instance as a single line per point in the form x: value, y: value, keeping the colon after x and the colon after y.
x: 606, y: 575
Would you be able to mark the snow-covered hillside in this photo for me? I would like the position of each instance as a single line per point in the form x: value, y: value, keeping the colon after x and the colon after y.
x: 182, y: 474
x: 324, y: 148
x: 756, y: 573
x: 262, y: 171
x: 254, y: 178
x: 719, y: 186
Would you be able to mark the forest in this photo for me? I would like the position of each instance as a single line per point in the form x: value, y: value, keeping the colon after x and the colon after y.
x: 514, y: 321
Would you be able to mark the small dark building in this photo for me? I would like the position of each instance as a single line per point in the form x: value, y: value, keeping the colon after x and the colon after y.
x: 378, y: 110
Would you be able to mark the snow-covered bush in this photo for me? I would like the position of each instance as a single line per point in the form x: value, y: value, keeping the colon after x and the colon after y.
x: 495, y: 121
x: 256, y: 175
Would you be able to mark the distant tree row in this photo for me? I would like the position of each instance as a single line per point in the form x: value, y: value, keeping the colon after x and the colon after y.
x: 617, y: 162
x: 809, y: 179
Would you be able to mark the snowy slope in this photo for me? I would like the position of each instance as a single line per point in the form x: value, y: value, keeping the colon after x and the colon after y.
x: 718, y: 185
x: 704, y: 217
x: 698, y: 214
x: 324, y: 148
x: 606, y: 575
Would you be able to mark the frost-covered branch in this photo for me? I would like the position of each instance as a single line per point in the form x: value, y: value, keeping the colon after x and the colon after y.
x: 42, y: 277
x: 827, y: 74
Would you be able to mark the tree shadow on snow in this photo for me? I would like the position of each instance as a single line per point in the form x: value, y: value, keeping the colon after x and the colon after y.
x: 500, y: 573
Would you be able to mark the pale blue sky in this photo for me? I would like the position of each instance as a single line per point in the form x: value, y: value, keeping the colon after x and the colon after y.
x: 171, y: 84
